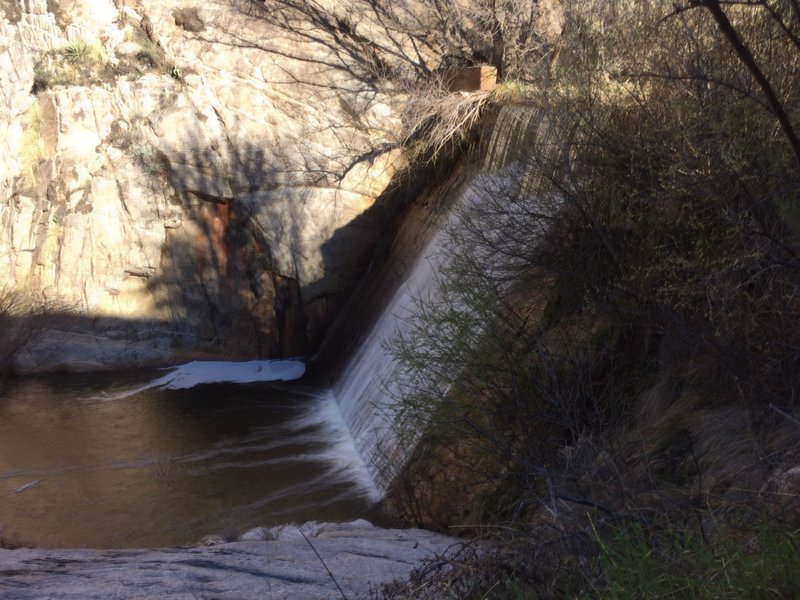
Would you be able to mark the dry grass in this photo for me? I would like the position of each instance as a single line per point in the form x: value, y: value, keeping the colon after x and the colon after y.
x: 33, y: 150
x: 435, y: 119
x: 20, y: 319
x: 77, y: 63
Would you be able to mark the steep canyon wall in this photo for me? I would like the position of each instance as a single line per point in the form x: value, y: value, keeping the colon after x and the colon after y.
x: 173, y: 185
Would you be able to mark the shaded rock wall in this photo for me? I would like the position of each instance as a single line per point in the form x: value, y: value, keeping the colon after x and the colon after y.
x: 171, y: 188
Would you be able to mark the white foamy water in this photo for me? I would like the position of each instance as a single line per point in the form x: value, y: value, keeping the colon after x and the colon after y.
x: 371, y: 382
x: 340, y: 450
x: 323, y: 418
x: 168, y: 467
x: 200, y: 372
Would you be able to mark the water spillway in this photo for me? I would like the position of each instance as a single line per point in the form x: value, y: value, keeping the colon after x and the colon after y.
x: 369, y: 385
x: 368, y: 388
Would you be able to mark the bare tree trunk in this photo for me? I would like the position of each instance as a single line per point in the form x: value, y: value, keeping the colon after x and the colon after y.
x: 498, y: 50
x: 498, y: 43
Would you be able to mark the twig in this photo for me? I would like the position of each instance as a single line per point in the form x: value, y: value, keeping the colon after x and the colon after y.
x: 583, y: 502
x: 336, y: 583
x: 784, y: 414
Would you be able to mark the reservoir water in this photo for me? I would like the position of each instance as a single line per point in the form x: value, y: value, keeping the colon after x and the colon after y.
x: 84, y: 462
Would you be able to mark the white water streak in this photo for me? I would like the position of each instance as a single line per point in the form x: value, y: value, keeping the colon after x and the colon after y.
x: 203, y: 372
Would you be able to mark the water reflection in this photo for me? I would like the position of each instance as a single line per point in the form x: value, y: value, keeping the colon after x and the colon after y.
x: 168, y: 467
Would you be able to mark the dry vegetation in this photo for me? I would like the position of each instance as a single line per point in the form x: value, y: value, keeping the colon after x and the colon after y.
x: 21, y: 317
x: 613, y: 403
x: 77, y: 63
x: 623, y: 420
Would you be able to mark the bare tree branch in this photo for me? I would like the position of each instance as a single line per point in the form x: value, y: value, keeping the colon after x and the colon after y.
x: 746, y: 56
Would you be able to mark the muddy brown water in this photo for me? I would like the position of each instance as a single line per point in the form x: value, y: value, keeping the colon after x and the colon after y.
x: 162, y: 468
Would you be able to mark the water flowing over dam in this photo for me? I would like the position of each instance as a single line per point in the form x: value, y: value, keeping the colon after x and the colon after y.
x: 369, y: 386
x: 165, y: 457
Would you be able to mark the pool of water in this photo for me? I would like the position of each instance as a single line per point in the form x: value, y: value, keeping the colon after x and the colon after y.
x: 83, y: 465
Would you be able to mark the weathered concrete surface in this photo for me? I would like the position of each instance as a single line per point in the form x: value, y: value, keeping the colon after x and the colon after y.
x: 356, y: 555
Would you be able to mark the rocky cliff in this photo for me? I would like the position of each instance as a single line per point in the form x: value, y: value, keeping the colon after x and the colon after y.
x: 173, y: 184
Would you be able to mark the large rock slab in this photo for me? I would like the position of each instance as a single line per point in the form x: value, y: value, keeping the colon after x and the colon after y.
x: 311, y: 562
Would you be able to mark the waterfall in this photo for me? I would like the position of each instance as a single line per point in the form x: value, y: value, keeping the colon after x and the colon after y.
x: 509, y: 136
x: 369, y: 384
x: 527, y: 143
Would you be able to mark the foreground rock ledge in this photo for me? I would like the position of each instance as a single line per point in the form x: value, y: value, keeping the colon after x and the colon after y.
x: 358, y: 555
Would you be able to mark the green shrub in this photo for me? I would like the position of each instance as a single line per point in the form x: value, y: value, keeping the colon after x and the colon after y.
x: 76, y: 52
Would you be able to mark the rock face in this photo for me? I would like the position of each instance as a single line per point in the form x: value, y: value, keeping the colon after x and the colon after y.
x: 169, y: 188
x: 324, y: 561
